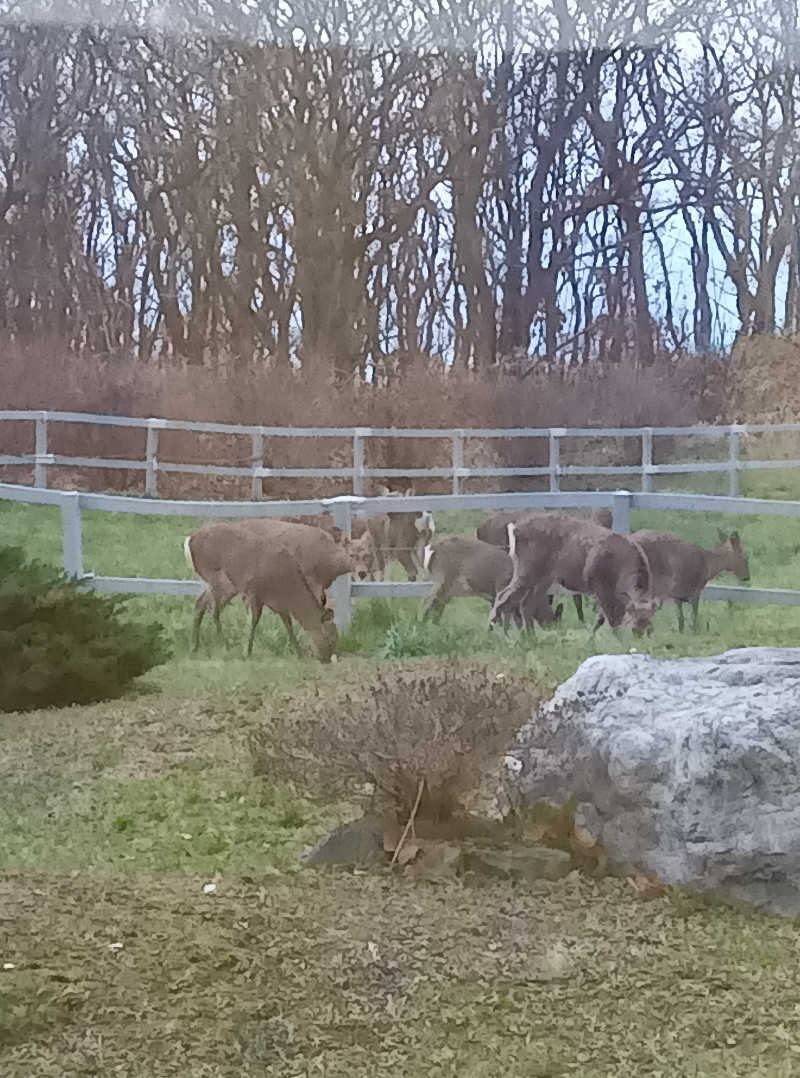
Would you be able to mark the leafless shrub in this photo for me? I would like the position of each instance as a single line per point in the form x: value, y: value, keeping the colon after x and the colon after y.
x: 421, y: 396
x: 436, y: 725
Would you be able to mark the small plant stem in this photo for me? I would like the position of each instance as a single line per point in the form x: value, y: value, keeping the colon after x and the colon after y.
x: 409, y: 824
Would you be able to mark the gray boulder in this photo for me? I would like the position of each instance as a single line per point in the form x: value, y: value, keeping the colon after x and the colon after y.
x: 359, y: 842
x: 688, y: 768
x: 528, y: 863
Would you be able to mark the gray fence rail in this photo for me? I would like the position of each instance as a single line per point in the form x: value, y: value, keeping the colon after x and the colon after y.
x: 344, y: 508
x: 149, y: 463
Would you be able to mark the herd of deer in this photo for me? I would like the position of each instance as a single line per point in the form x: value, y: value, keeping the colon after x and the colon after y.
x: 518, y: 561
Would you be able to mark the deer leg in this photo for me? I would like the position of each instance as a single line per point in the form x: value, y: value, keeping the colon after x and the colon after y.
x: 524, y: 617
x: 287, y: 621
x: 433, y: 604
x: 695, y: 611
x: 255, y: 616
x: 199, y: 613
x: 578, y: 600
x: 408, y: 563
x: 381, y: 564
x: 506, y: 600
x: 681, y: 622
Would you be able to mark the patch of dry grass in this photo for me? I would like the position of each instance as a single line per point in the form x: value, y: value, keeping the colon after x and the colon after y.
x: 347, y: 975
x: 285, y: 971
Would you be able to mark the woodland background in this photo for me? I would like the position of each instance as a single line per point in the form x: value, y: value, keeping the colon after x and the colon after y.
x: 428, y: 213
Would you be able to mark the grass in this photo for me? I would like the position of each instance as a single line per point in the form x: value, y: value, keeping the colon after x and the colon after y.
x: 113, y: 959
x: 113, y: 817
x: 389, y: 629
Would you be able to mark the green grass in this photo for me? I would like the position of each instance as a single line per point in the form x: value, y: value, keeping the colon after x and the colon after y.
x: 114, y: 816
x: 114, y: 960
x: 388, y: 629
x: 158, y: 824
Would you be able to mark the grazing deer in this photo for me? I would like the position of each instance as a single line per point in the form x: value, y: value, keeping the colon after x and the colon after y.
x: 233, y: 559
x: 555, y: 549
x: 359, y: 549
x: 495, y: 530
x: 398, y: 536
x: 460, y: 565
x: 681, y: 570
x: 320, y: 556
x: 393, y: 536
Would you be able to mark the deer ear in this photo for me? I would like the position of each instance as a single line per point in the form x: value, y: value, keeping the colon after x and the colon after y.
x: 734, y: 537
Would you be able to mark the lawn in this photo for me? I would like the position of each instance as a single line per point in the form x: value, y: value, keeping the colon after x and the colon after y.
x: 113, y: 817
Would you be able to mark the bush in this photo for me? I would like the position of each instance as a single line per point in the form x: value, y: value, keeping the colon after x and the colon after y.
x: 434, y: 724
x: 62, y: 644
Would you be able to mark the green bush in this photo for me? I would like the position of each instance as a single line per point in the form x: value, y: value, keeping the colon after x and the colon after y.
x: 62, y: 644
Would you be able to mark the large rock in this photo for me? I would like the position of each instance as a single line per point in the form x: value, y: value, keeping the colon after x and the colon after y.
x: 528, y: 863
x: 359, y: 842
x: 688, y: 768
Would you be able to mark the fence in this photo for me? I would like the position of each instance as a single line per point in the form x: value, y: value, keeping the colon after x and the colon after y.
x: 344, y: 508
x: 42, y: 460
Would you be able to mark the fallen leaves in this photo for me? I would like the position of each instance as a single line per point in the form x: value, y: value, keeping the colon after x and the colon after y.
x: 647, y: 885
x: 353, y: 976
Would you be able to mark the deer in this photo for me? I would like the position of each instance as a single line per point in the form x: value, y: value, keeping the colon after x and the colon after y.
x: 495, y: 530
x: 360, y: 546
x: 233, y: 559
x: 556, y: 549
x: 398, y: 536
x: 394, y: 536
x: 681, y: 569
x: 320, y: 556
x: 460, y: 565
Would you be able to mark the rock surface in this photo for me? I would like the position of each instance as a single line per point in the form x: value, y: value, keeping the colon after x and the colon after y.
x: 528, y: 863
x: 359, y: 842
x: 687, y: 768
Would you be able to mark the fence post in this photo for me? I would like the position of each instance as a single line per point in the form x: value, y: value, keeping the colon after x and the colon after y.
x: 734, y: 435
x: 40, y: 451
x: 257, y: 482
x: 340, y: 590
x: 72, y: 534
x: 359, y: 434
x: 555, y: 456
x: 647, y: 459
x: 458, y: 459
x: 151, y: 453
x: 621, y: 511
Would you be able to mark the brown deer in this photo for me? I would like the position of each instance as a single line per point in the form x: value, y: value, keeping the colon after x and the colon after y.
x: 556, y: 549
x: 460, y: 565
x: 233, y: 559
x: 681, y: 570
x: 360, y: 548
x: 398, y: 536
x: 495, y: 530
x: 395, y: 536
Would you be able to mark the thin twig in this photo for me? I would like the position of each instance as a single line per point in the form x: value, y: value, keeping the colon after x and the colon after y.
x: 409, y: 824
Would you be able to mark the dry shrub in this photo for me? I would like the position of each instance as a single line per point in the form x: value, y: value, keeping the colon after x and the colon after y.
x: 435, y: 724
x: 763, y: 386
x: 419, y: 394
